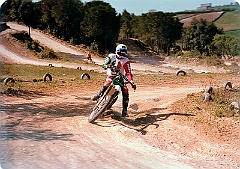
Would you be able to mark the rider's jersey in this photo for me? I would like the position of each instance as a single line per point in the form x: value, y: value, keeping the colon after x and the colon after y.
x: 122, y: 64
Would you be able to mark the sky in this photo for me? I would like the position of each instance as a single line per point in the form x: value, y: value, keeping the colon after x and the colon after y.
x: 143, y: 6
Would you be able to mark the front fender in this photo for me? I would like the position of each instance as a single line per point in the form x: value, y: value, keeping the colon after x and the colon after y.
x: 118, y: 81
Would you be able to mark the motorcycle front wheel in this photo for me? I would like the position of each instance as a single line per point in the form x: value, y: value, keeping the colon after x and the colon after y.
x: 99, y: 108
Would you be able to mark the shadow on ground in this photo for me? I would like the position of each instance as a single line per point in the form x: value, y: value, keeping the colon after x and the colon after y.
x: 140, y: 124
x: 73, y: 56
x: 28, y: 95
x: 8, y: 133
x: 21, y: 121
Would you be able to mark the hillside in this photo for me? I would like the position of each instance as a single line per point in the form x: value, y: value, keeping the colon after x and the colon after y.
x: 226, y: 17
x: 211, y: 17
x: 229, y: 21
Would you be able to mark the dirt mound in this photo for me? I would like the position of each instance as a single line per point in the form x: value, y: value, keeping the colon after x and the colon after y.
x: 134, y: 45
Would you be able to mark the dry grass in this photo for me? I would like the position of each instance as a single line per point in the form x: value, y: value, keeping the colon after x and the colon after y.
x: 30, y: 78
x: 219, y: 105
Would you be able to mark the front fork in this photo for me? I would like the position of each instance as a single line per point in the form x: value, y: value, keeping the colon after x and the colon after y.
x: 113, y: 99
x: 112, y: 91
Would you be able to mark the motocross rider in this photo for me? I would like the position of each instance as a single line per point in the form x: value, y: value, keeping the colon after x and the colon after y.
x: 122, y: 63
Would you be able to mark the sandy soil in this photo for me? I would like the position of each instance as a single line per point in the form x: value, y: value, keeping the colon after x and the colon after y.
x: 50, y: 130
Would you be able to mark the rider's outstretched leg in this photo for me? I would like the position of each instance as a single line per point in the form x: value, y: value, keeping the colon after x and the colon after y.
x: 103, y: 89
x: 100, y: 93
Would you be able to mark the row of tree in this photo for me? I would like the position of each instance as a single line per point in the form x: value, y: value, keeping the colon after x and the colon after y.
x: 96, y: 22
x: 163, y: 31
x: 158, y: 30
x: 71, y: 20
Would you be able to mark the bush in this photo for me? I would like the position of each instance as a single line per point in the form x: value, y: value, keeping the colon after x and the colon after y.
x: 179, y: 53
x: 23, y: 36
x: 47, y: 53
x: 211, y: 61
x: 42, y: 52
x: 192, y: 54
x: 197, y: 58
x: 223, y: 99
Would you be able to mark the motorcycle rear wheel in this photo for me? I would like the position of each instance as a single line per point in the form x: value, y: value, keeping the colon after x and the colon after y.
x: 100, y: 108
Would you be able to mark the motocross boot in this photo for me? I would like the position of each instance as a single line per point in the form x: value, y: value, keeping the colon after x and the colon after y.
x: 98, y: 95
x: 125, y: 105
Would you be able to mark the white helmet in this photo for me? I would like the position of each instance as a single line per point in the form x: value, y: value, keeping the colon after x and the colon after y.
x: 121, y: 51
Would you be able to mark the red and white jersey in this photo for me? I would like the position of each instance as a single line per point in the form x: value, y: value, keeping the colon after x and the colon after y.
x: 122, y: 64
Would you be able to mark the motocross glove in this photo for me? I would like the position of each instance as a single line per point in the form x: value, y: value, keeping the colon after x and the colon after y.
x: 133, y: 85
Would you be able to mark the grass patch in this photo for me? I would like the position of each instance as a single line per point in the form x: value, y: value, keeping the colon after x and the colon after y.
x: 29, y: 78
x: 234, y: 33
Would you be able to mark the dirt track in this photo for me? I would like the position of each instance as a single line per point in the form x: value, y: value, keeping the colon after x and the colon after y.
x: 51, y: 131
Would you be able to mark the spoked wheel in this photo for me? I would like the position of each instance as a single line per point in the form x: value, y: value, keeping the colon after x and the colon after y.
x: 99, y: 108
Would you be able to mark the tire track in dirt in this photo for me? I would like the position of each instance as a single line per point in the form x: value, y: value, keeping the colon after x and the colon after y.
x: 57, y: 139
x: 87, y: 146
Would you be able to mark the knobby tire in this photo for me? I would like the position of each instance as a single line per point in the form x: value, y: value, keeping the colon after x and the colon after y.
x: 100, y: 108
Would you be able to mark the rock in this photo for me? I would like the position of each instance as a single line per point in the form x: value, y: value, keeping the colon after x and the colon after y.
x: 235, y: 106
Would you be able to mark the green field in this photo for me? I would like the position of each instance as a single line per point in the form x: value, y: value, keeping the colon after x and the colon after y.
x: 235, y: 33
x: 229, y: 21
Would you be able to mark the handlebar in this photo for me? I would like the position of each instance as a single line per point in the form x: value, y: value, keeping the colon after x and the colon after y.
x: 126, y: 79
x: 117, y: 70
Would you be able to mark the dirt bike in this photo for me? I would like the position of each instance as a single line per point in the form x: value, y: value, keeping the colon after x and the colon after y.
x: 109, y: 97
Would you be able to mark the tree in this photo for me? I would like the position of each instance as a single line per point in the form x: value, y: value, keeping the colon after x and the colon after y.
x: 225, y: 45
x: 199, y: 35
x: 4, y: 11
x: 161, y: 30
x: 47, y: 18
x: 172, y: 31
x: 29, y: 13
x: 101, y: 25
x: 10, y: 10
x: 137, y: 23
x: 67, y: 15
x: 126, y: 25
